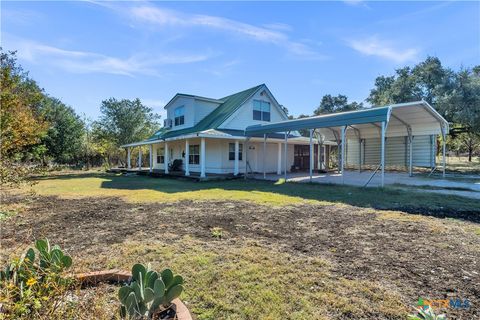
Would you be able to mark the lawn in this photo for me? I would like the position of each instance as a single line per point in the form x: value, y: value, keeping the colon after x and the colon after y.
x: 291, y: 251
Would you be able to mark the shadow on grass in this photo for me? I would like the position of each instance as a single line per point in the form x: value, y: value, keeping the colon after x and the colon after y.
x: 430, y: 204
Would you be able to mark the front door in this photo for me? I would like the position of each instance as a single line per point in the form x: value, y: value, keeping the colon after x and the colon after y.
x: 252, y: 158
x: 301, y: 157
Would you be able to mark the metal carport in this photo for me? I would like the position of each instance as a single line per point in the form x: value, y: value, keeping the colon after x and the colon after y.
x: 405, y: 119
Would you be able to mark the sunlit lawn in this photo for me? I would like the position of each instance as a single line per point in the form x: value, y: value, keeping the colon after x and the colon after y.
x: 147, y: 189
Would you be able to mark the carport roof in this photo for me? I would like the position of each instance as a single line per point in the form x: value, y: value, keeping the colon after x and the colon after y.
x: 358, y: 119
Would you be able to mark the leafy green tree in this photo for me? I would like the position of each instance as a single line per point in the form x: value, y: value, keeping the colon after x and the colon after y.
x: 122, y: 121
x: 331, y: 104
x: 125, y: 121
x: 427, y: 81
x: 461, y: 105
x: 65, y: 133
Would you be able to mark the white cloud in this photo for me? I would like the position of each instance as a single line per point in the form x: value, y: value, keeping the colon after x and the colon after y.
x: 273, y: 34
x: 90, y: 62
x: 373, y: 46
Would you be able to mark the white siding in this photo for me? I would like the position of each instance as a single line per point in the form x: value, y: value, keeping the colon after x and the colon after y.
x: 202, y: 109
x: 189, y: 104
x: 217, y: 156
x: 396, y: 151
x: 255, y: 157
x: 195, y: 110
x: 243, y: 117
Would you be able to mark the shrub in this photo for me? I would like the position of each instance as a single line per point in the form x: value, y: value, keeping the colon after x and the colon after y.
x: 34, y: 287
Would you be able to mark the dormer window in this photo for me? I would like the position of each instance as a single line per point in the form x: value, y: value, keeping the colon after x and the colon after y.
x: 179, y: 116
x: 261, y: 110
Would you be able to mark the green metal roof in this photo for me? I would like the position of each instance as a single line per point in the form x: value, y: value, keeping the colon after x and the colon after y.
x: 214, y: 119
x: 325, y: 121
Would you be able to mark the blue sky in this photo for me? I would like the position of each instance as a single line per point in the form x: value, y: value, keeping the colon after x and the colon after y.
x: 85, y: 52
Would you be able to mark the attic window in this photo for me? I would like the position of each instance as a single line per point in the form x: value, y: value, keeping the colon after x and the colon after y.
x: 261, y: 110
x: 179, y: 116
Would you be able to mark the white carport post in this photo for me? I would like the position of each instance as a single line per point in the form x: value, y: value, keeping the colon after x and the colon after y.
x: 279, y: 159
x: 342, y: 155
x: 410, y: 153
x: 311, y: 154
x: 444, y: 150
x: 150, y: 157
x: 264, y: 155
x: 202, y: 158
x: 187, y: 157
x: 165, y: 158
x: 139, y: 158
x: 285, y: 153
x: 382, y: 156
x: 237, y: 151
x: 129, y: 158
x: 359, y: 153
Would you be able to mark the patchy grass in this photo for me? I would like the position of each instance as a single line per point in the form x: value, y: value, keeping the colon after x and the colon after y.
x: 147, y: 189
x: 250, y: 281
x: 461, y: 165
x: 257, y: 249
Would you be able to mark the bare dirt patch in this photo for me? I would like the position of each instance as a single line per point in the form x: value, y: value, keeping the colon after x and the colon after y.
x: 413, y: 255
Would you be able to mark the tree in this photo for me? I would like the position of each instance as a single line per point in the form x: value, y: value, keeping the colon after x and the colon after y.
x: 461, y: 105
x: 21, y: 123
x: 331, y: 104
x: 427, y: 81
x: 64, y: 137
x: 123, y: 121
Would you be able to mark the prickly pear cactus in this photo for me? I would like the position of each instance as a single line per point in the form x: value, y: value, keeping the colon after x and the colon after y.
x: 148, y: 291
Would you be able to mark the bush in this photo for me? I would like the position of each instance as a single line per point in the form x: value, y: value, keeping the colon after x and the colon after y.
x: 33, y: 286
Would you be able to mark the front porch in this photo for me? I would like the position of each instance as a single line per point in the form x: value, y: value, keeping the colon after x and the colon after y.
x: 221, y: 156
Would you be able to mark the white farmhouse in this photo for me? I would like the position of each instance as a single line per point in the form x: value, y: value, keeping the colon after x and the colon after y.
x: 249, y: 132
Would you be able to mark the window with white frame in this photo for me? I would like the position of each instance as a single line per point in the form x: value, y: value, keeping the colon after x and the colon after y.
x: 179, y: 114
x: 161, y: 155
x: 261, y: 110
x: 194, y: 154
x: 231, y: 151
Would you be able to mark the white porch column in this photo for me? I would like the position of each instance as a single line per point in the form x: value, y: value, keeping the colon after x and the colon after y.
x: 342, y: 153
x: 279, y: 159
x: 285, y: 153
x: 202, y: 158
x: 319, y: 155
x: 246, y: 158
x: 264, y: 155
x: 235, y: 165
x: 165, y: 158
x: 311, y: 154
x: 140, y: 158
x: 382, y: 157
x: 150, y: 155
x: 129, y: 158
x: 187, y: 157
